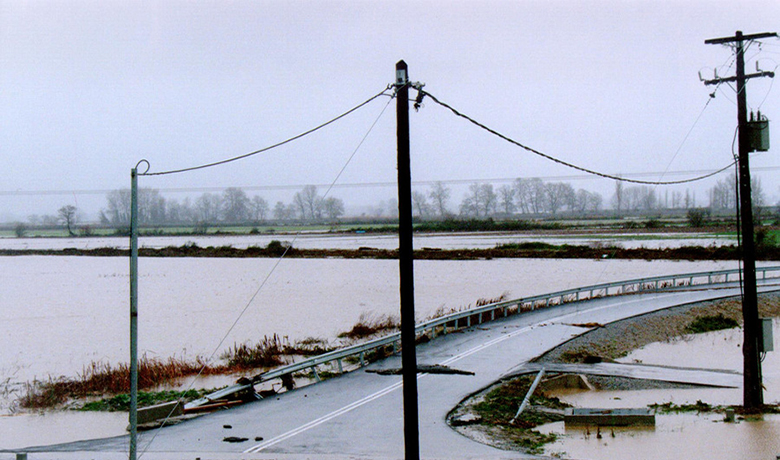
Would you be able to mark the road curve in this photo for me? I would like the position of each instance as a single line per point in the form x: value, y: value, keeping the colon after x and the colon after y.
x: 358, y: 415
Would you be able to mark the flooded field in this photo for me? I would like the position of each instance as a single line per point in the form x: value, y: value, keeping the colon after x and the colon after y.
x: 57, y: 314
x: 685, y: 435
x: 60, y: 313
x: 379, y: 241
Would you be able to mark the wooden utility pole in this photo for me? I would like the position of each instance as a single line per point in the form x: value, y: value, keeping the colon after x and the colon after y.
x: 753, y: 395
x: 406, y: 266
x: 133, y: 415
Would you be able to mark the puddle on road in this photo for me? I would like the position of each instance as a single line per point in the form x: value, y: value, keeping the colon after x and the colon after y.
x: 685, y: 435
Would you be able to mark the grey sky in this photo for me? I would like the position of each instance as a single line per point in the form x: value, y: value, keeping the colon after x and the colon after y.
x: 87, y: 89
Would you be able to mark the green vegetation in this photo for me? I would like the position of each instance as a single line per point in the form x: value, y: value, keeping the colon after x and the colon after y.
x: 121, y: 402
x: 699, y: 407
x: 486, y: 225
x: 498, y: 407
x: 711, y: 323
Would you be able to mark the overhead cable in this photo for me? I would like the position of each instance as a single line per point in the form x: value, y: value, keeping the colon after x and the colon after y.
x: 267, y: 277
x: 565, y: 163
x: 265, y: 149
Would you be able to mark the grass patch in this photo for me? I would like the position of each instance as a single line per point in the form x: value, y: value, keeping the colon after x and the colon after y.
x: 711, y: 323
x: 121, y: 402
x: 497, y: 408
x: 699, y: 407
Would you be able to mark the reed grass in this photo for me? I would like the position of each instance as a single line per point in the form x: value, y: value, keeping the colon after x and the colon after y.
x: 103, y: 378
x: 369, y: 325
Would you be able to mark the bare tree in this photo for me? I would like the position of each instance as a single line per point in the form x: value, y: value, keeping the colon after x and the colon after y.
x: 259, y: 208
x: 618, y: 198
x: 522, y: 196
x: 333, y: 207
x: 280, y: 211
x: 440, y: 195
x: 420, y: 203
x: 308, y: 203
x: 207, y: 208
x: 235, y: 205
x: 558, y: 195
x: 506, y: 198
x: 537, y: 196
x: 67, y: 215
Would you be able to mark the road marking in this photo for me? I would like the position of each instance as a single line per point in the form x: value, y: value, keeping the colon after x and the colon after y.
x: 323, y: 419
x: 361, y: 402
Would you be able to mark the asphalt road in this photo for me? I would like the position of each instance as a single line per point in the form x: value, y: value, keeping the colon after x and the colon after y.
x: 358, y: 415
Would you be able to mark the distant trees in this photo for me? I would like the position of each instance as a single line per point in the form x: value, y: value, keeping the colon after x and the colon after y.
x: 235, y: 206
x: 440, y: 196
x: 67, y: 216
x: 231, y: 206
x: 723, y: 196
x: 527, y: 196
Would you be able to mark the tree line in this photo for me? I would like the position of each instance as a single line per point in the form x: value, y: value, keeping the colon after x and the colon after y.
x: 524, y: 197
x: 232, y: 206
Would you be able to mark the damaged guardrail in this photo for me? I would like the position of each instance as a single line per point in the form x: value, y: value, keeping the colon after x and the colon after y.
x: 489, y: 312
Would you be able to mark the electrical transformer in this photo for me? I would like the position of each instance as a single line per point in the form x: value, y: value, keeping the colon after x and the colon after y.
x: 758, y: 133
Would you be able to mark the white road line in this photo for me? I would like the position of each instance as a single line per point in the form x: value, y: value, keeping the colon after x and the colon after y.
x: 350, y: 407
x: 323, y: 419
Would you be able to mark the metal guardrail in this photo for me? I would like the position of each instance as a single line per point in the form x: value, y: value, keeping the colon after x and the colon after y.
x: 489, y: 312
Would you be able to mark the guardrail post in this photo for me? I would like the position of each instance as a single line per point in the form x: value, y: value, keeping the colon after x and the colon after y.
x: 362, y: 358
x: 316, y: 375
x: 341, y: 367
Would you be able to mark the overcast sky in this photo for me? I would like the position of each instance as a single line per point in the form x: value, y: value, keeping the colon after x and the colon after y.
x: 87, y: 89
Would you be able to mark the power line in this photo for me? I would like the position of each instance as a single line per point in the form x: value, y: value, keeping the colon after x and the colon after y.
x: 265, y: 149
x: 565, y: 163
x: 564, y: 177
x: 268, y: 275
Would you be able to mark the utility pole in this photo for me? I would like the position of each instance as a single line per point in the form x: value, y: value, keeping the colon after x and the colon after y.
x: 753, y: 395
x: 406, y: 266
x: 133, y: 415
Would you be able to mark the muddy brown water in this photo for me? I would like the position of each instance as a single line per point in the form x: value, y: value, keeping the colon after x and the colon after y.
x: 685, y: 435
x: 58, y: 314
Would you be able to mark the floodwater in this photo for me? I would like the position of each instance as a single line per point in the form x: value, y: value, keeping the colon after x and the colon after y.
x: 303, y: 240
x: 686, y: 435
x: 58, y: 314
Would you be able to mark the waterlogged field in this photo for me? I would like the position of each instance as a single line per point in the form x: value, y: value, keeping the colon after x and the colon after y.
x: 58, y: 314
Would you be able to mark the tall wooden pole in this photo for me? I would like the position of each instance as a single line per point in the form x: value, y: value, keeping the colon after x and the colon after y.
x: 133, y: 417
x: 406, y: 265
x: 753, y: 395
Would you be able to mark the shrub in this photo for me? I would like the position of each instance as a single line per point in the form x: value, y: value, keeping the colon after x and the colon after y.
x: 711, y: 323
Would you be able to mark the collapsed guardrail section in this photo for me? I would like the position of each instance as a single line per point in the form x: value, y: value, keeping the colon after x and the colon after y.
x: 360, y: 354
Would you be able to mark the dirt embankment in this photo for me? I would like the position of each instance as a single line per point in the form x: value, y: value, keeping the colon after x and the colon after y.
x: 618, y: 339
x: 519, y: 251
